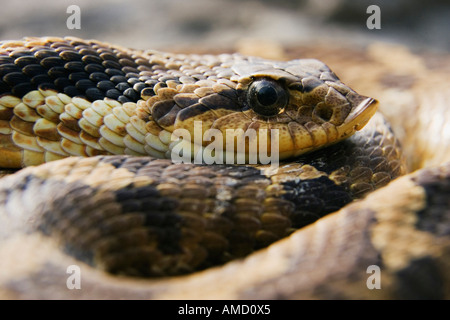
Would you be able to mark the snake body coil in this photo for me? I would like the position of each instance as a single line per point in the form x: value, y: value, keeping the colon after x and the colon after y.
x: 116, y: 204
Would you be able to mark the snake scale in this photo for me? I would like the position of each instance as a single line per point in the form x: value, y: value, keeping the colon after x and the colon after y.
x: 93, y: 124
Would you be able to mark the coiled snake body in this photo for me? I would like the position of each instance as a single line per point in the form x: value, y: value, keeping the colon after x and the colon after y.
x: 112, y: 205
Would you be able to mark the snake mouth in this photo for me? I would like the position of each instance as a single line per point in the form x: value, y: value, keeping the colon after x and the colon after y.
x: 360, y: 115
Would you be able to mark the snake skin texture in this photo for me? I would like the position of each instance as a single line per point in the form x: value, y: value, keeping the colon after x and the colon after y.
x: 123, y: 213
x: 69, y: 97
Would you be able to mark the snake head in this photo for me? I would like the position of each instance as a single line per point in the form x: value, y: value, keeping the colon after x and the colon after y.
x: 303, y: 100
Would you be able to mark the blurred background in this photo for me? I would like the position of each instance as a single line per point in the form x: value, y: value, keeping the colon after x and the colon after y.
x: 229, y: 24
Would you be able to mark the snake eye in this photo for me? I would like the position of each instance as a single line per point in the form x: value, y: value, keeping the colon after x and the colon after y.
x: 267, y: 97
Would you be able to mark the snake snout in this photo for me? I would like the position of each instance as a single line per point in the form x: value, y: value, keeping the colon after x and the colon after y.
x: 321, y: 110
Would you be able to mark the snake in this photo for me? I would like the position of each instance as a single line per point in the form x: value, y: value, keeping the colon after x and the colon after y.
x: 87, y: 140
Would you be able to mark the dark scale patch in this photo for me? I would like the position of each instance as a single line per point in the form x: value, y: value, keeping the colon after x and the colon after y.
x: 4, y: 88
x: 118, y: 79
x: 89, y: 52
x: 84, y: 84
x: 122, y: 86
x: 93, y: 94
x: 123, y: 99
x: 108, y: 56
x: 71, y: 91
x: 422, y: 279
x: 150, y: 82
x: 77, y: 76
x: 66, y: 218
x: 357, y: 162
x: 105, y: 228
x: 217, y: 101
x: 130, y: 70
x: 15, y: 78
x: 98, y: 77
x: 47, y: 86
x: 58, y: 72
x: 23, y: 88
x: 162, y: 84
x: 113, y: 94
x: 44, y: 53
x: 139, y: 86
x: 128, y: 62
x: 104, y: 85
x: 148, y: 92
x: 50, y: 62
x: 8, y: 68
x: 114, y: 72
x: 230, y: 94
x: 69, y: 55
x: 93, y: 67
x: 167, y: 78
x: 160, y: 214
x: 163, y: 108
x: 34, y: 70
x: 66, y: 66
x: 132, y: 164
x: 111, y: 65
x: 74, y: 66
x: 20, y: 53
x: 5, y: 60
x: 115, y: 161
x: 61, y: 83
x: 314, y: 198
x: 88, y: 59
x: 131, y: 94
x: 331, y: 158
x: 435, y: 217
x: 21, y: 184
x: 39, y: 79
